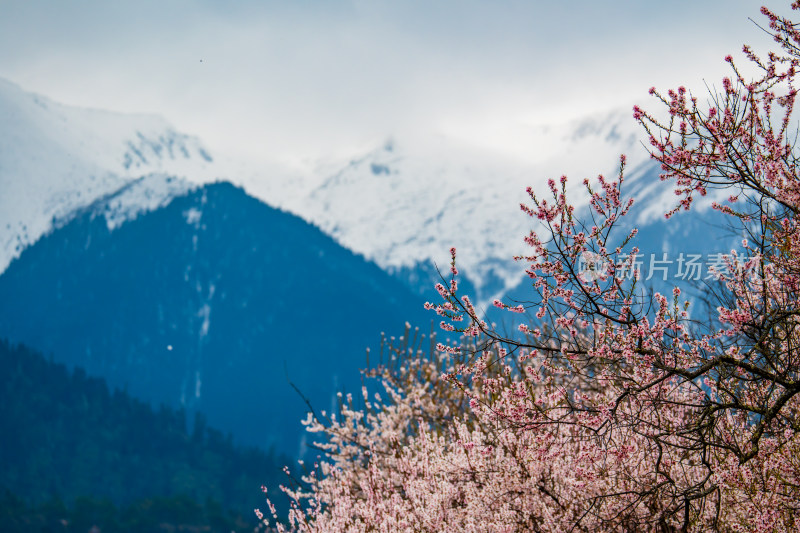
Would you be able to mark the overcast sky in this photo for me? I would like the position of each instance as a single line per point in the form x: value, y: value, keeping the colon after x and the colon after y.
x: 301, y: 79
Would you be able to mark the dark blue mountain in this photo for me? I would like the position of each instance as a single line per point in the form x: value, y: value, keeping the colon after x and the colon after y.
x: 213, y: 303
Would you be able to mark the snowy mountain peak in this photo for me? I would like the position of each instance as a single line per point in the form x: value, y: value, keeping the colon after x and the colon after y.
x: 55, y: 159
x: 405, y: 202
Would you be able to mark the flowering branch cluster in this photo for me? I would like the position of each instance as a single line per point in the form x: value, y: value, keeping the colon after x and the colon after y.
x: 611, y: 409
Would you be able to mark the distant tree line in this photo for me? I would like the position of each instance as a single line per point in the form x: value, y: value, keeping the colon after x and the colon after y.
x: 91, y: 515
x: 74, y: 452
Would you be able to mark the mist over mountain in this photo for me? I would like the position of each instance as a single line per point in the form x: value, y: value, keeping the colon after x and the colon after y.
x: 401, y: 203
x: 405, y: 202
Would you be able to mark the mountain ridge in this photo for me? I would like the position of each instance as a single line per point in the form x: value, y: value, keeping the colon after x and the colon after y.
x: 201, y: 303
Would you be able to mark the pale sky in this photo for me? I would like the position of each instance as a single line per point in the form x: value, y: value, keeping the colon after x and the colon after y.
x: 302, y: 79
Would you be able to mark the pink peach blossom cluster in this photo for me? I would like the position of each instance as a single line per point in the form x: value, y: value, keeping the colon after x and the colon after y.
x: 611, y: 409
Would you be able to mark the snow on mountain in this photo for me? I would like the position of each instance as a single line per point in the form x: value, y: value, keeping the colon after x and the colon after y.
x: 402, y: 203
x: 408, y: 201
x: 137, y: 196
x: 56, y: 159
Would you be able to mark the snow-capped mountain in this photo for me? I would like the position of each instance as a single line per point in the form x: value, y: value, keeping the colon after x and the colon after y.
x: 402, y: 203
x: 56, y: 159
x: 406, y: 202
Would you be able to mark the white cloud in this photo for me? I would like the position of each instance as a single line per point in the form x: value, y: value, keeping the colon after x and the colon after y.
x: 295, y: 80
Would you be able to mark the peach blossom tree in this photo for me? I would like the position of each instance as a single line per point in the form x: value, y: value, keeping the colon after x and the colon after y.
x: 610, y: 409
